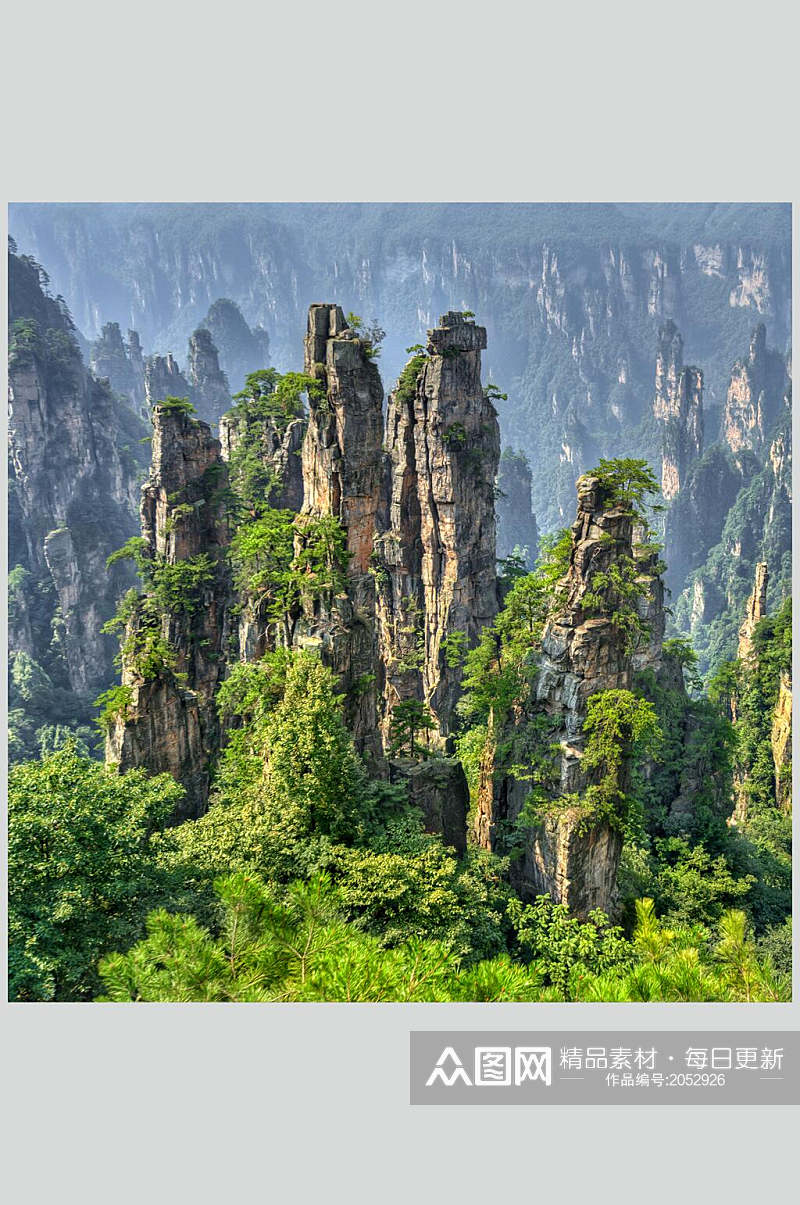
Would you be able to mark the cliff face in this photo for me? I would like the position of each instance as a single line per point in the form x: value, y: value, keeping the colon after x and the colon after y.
x: 755, y: 611
x: 583, y: 651
x: 781, y: 741
x: 210, y: 392
x: 74, y: 462
x: 678, y: 408
x: 120, y: 363
x: 175, y: 643
x: 734, y: 510
x: 755, y: 395
x: 241, y: 350
x: 163, y: 378
x: 574, y: 295
x: 342, y: 466
x: 437, y: 559
x: 342, y: 450
x: 516, y: 522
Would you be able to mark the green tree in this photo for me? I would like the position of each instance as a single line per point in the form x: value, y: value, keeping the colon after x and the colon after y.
x: 410, y: 718
x: 82, y: 869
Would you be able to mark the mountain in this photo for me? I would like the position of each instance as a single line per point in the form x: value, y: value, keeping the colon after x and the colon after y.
x: 572, y: 296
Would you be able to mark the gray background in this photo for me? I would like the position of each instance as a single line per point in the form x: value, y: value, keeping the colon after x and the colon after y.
x: 434, y: 101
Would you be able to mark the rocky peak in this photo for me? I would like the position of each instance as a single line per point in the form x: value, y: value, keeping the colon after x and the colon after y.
x: 436, y: 574
x: 755, y: 611
x: 755, y: 396
x: 173, y: 655
x: 186, y: 470
x: 73, y: 486
x: 343, y: 473
x: 516, y: 522
x: 242, y: 350
x: 209, y: 385
x: 163, y: 378
x: 583, y: 649
x: 678, y: 407
x: 342, y: 450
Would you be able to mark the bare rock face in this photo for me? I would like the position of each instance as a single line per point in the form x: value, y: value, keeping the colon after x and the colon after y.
x: 163, y: 378
x: 436, y: 558
x: 575, y: 867
x: 678, y: 407
x: 516, y: 522
x: 74, y: 461
x: 210, y: 392
x: 170, y: 723
x: 755, y: 612
x: 781, y: 740
x: 342, y: 452
x: 755, y: 395
x: 120, y: 363
x: 343, y: 473
x: 439, y: 789
x: 583, y: 652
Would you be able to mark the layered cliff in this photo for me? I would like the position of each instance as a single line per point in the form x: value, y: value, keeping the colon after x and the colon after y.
x: 176, y: 635
x: 163, y: 378
x: 343, y: 469
x: 734, y: 508
x: 75, y: 464
x: 573, y: 295
x: 587, y: 647
x: 678, y: 409
x: 755, y: 395
x: 121, y: 363
x: 435, y: 562
x: 209, y: 387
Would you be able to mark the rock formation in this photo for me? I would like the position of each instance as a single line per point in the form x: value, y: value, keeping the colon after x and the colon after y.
x: 435, y: 562
x: 163, y: 378
x: 75, y: 457
x: 176, y: 640
x: 781, y: 741
x: 210, y: 392
x: 584, y: 650
x: 755, y: 395
x: 342, y: 463
x: 120, y: 363
x: 242, y: 350
x: 516, y: 522
x: 755, y: 611
x: 678, y: 408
